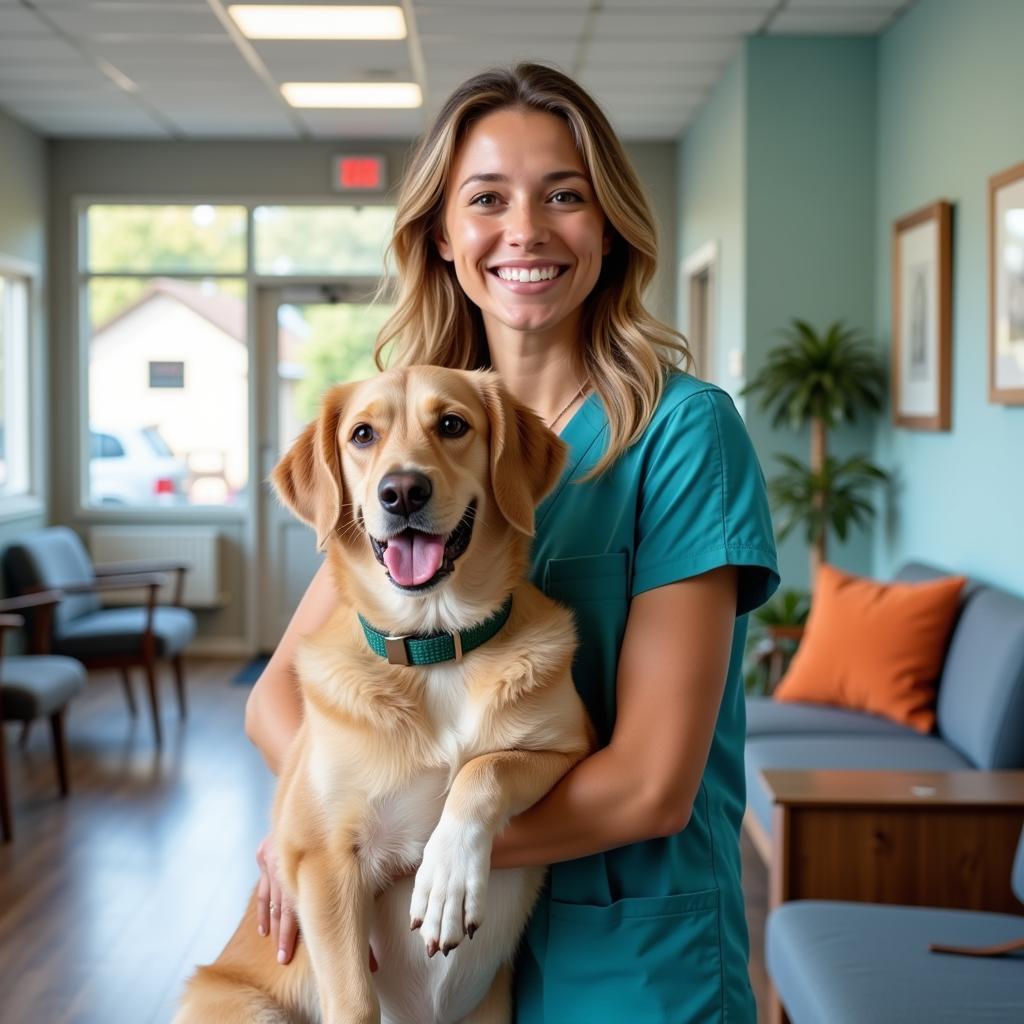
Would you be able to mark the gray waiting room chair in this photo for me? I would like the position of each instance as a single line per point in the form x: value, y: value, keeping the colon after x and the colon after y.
x: 54, y: 558
x: 849, y: 963
x: 34, y: 686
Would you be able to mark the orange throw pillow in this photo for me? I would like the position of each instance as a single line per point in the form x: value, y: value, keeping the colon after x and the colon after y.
x: 874, y: 647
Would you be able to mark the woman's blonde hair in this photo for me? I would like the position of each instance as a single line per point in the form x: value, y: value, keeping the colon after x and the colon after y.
x: 628, y: 351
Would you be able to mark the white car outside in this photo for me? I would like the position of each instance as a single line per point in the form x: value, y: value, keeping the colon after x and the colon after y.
x: 134, y: 466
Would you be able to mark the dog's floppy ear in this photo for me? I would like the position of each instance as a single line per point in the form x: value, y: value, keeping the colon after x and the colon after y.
x: 308, y: 478
x: 526, y: 457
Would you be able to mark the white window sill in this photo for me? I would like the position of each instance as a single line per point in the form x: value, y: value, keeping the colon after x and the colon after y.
x: 20, y: 506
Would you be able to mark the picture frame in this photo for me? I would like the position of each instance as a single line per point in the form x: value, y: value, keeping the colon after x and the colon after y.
x: 922, y: 306
x: 1006, y: 286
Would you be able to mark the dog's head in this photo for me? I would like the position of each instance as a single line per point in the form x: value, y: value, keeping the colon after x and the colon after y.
x: 426, y: 478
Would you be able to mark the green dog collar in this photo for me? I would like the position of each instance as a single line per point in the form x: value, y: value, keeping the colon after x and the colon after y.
x: 433, y: 648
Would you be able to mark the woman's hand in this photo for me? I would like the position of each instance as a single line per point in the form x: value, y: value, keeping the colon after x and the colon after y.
x: 275, y: 914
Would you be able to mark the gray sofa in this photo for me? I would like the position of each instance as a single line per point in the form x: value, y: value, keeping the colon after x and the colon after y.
x: 979, y: 712
x: 847, y: 963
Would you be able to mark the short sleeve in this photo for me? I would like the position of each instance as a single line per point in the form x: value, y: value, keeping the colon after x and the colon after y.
x: 703, y: 501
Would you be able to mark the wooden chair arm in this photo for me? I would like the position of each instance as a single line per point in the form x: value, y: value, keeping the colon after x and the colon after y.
x: 152, y: 579
x: 11, y: 622
x: 148, y: 565
x: 34, y: 599
x: 41, y: 605
x: 143, y: 565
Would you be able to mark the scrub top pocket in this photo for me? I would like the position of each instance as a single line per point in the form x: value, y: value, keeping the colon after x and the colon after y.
x: 651, y: 960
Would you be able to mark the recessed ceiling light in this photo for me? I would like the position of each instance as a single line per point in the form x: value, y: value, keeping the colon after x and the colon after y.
x: 280, y: 21
x: 352, y: 94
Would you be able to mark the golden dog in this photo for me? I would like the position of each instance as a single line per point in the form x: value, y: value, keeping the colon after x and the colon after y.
x: 421, y: 484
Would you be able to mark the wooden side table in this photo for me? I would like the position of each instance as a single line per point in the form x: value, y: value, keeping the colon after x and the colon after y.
x: 936, y: 839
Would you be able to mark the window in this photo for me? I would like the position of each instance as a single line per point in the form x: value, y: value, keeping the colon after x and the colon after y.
x: 322, y: 239
x: 168, y: 360
x: 164, y: 300
x: 14, y: 385
x: 166, y: 375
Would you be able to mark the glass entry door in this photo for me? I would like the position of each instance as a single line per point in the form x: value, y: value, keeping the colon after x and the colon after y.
x: 312, y: 337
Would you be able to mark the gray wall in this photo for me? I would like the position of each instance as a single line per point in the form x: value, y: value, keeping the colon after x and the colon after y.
x: 278, y: 171
x: 23, y: 224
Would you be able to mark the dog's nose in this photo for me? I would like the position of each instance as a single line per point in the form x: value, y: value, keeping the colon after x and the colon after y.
x: 404, y: 493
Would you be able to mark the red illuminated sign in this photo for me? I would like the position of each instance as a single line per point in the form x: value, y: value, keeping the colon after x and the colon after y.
x: 359, y: 174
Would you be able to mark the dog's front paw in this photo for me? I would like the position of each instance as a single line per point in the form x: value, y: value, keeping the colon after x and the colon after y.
x: 451, y: 884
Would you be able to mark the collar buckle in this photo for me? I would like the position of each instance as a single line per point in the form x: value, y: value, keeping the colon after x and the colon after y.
x: 396, y: 651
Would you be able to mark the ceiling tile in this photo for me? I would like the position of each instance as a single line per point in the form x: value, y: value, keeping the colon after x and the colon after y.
x: 661, y: 51
x: 675, y: 24
x: 863, y: 22
x: 35, y: 48
x: 335, y: 61
x: 878, y: 5
x: 687, y: 5
x: 538, y: 23
x: 118, y: 21
x: 20, y: 21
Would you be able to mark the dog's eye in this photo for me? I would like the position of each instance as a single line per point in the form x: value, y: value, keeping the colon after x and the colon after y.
x: 363, y: 435
x: 452, y: 426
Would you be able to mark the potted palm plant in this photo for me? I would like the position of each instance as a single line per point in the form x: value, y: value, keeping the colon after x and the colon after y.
x: 824, y: 380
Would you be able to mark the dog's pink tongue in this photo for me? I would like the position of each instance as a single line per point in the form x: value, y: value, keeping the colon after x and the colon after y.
x: 413, y: 557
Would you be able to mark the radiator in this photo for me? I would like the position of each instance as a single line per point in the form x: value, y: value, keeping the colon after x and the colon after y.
x: 197, y: 545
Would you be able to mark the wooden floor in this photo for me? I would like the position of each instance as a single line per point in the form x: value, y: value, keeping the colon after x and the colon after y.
x: 109, y: 898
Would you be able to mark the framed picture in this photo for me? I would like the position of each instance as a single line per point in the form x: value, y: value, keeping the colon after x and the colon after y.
x: 922, y: 302
x: 1006, y: 287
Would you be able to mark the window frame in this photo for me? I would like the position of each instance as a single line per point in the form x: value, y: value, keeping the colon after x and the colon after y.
x: 30, y: 502
x: 247, y: 512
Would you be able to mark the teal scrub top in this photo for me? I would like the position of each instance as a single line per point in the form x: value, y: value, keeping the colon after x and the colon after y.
x: 653, y: 932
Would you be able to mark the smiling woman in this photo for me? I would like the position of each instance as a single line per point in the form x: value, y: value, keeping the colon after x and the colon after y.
x: 523, y: 243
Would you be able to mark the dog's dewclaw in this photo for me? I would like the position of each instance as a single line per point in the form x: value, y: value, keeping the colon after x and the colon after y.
x: 416, y: 922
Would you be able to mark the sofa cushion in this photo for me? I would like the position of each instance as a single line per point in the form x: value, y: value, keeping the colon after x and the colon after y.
x: 883, y: 753
x: 34, y: 686
x: 980, y: 706
x: 119, y: 631
x: 769, y: 717
x: 876, y: 647
x: 847, y: 963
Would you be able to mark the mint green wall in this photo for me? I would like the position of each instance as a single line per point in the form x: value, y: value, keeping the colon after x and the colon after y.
x: 951, y: 78
x: 712, y: 209
x: 810, y: 199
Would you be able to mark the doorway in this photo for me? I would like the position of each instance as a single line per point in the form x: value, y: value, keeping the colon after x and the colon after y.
x: 311, y: 336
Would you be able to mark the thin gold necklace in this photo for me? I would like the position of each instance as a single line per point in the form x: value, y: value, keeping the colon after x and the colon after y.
x: 567, y: 406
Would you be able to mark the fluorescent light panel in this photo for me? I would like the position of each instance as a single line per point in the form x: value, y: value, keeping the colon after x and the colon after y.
x: 352, y: 94
x: 274, y: 21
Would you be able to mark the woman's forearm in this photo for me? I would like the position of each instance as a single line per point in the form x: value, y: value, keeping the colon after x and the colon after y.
x: 273, y: 713
x: 274, y: 710
x: 598, y: 805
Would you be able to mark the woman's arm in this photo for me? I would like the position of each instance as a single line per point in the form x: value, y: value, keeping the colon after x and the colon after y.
x: 274, y: 709
x: 272, y: 716
x: 671, y: 676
